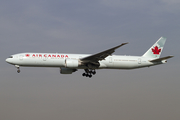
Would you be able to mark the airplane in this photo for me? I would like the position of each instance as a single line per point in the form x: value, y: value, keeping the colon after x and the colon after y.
x: 69, y: 63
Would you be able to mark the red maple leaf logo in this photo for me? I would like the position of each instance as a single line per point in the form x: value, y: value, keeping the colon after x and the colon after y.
x: 27, y: 55
x: 156, y: 50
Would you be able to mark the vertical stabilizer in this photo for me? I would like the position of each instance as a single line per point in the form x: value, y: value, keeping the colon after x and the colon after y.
x: 156, y: 50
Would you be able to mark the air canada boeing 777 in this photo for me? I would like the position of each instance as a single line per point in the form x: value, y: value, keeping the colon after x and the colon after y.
x: 69, y: 63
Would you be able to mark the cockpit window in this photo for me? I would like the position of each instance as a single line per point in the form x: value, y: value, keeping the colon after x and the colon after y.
x: 10, y: 56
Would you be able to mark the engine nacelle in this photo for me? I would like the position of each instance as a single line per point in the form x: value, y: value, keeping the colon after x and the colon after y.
x: 67, y: 70
x: 71, y: 63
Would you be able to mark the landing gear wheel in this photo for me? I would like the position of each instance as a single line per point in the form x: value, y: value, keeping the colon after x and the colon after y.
x: 90, y: 76
x: 18, y: 71
x: 93, y: 72
x: 84, y: 74
x: 18, y: 68
x: 87, y: 75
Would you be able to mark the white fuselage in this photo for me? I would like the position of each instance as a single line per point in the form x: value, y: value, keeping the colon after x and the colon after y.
x: 58, y: 60
x: 69, y: 63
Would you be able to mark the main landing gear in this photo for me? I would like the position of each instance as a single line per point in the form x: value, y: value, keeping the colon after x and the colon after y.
x: 18, y: 69
x: 89, y: 73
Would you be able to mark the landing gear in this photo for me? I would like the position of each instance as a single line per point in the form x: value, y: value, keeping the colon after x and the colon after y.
x: 17, y: 66
x: 89, y: 73
x: 94, y: 72
x: 18, y: 71
x: 84, y: 74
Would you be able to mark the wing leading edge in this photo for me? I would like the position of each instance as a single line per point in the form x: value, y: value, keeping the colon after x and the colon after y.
x: 100, y: 56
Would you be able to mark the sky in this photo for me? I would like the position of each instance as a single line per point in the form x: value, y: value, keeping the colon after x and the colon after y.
x: 89, y: 26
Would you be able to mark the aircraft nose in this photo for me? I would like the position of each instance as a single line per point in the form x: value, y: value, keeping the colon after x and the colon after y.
x: 7, y: 60
x: 10, y: 60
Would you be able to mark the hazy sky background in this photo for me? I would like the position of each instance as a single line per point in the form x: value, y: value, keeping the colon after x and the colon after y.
x: 91, y: 26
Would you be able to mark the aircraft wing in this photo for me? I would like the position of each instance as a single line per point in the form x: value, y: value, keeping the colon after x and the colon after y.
x: 160, y: 59
x: 100, y: 56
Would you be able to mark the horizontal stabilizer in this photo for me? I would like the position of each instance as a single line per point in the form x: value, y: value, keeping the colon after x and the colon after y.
x: 161, y: 59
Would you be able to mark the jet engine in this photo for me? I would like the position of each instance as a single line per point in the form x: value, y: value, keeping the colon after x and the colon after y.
x: 71, y: 63
x: 67, y: 70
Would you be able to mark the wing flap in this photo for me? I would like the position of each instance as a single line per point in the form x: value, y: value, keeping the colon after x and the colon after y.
x: 161, y: 59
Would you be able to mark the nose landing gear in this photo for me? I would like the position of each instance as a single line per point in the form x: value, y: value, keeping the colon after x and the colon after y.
x: 18, y: 71
x: 17, y: 66
x: 89, y: 73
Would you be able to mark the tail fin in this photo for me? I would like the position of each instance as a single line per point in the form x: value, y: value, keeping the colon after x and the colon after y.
x: 156, y: 50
